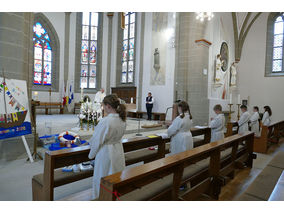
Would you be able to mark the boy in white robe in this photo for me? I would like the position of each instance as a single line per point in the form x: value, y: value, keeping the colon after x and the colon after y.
x: 217, y: 124
x: 254, y: 124
x: 266, y: 120
x: 244, y: 119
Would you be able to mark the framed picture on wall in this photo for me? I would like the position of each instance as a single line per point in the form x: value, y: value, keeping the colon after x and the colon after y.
x: 245, y: 102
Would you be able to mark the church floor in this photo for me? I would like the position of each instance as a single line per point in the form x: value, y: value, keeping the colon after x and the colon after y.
x: 243, y: 178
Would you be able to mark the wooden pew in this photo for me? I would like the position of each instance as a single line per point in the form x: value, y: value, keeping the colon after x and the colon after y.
x: 139, y: 114
x: 43, y: 184
x: 269, y: 134
x: 77, y: 106
x: 134, y: 183
x: 50, y: 105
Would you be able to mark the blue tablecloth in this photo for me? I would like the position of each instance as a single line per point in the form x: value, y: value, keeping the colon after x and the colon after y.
x: 56, y: 146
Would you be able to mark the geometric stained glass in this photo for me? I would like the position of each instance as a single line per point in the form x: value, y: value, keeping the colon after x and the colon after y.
x: 277, y: 53
x: 47, y: 55
x: 123, y: 77
x: 130, y: 77
x: 37, y: 53
x: 278, y: 28
x: 276, y: 65
x: 278, y: 40
x: 132, y: 30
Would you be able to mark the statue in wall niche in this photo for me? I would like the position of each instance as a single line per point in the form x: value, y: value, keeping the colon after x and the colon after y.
x: 156, y: 62
x: 219, y: 78
x: 233, y: 75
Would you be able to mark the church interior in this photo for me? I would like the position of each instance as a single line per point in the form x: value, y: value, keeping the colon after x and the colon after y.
x: 64, y: 76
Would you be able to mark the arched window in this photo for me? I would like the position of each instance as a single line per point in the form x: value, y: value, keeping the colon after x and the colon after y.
x: 128, y: 49
x: 45, y: 54
x: 42, y: 56
x: 274, y: 45
x: 277, y: 59
x: 88, y: 51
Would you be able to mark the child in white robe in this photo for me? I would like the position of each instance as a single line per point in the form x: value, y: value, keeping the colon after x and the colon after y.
x: 254, y: 123
x: 266, y: 120
x: 217, y: 124
x: 179, y: 130
x: 244, y: 119
x: 106, y: 144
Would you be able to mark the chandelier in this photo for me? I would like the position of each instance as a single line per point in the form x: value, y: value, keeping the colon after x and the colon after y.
x: 204, y: 15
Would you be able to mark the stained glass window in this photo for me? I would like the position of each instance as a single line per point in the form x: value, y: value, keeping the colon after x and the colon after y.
x: 42, y: 56
x: 277, y: 55
x: 90, y: 21
x: 128, y: 48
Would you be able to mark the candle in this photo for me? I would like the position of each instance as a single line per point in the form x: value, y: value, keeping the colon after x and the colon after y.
x: 231, y: 99
x: 239, y: 99
x: 82, y: 94
x: 36, y: 95
x: 131, y: 100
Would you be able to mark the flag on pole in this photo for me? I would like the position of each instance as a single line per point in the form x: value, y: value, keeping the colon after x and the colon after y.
x: 70, y: 94
x: 63, y: 93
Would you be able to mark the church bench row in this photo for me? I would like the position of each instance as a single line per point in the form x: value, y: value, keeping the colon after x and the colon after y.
x: 204, y: 167
x: 50, y: 105
x: 261, y: 189
x: 139, y: 114
x: 43, y: 184
x: 269, y: 134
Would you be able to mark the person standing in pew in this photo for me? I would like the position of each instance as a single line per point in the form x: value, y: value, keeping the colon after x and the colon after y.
x: 266, y: 120
x: 254, y: 124
x: 106, y: 146
x: 244, y: 119
x: 217, y: 124
x: 149, y: 105
x: 179, y: 130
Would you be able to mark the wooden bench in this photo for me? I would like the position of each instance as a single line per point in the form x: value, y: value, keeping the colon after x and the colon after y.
x: 50, y: 105
x: 136, y: 150
x: 262, y: 187
x: 203, y: 167
x: 269, y: 134
x: 139, y: 114
x: 77, y: 106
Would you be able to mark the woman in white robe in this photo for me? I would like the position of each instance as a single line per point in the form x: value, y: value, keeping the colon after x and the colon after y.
x: 244, y: 119
x: 217, y: 124
x: 179, y: 130
x: 106, y: 144
x: 254, y: 124
x: 266, y: 120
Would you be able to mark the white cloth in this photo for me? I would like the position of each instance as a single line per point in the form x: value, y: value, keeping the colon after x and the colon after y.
x: 179, y: 131
x: 266, y: 119
x: 254, y: 124
x: 106, y: 146
x: 243, y: 122
x: 99, y: 97
x: 233, y: 75
x: 217, y: 126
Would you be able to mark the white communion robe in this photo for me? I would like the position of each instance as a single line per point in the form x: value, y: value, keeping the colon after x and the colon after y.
x: 243, y: 122
x: 266, y: 119
x: 254, y: 124
x: 106, y: 146
x: 217, y: 126
x: 179, y: 131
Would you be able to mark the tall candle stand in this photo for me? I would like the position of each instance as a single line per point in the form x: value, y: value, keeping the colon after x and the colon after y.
x: 81, y: 123
x: 230, y: 111
x: 239, y: 111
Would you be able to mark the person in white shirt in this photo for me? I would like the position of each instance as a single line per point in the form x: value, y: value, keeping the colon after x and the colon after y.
x: 217, y: 124
x: 149, y: 105
x: 106, y: 146
x: 99, y: 97
x: 179, y: 130
x: 254, y: 123
x: 244, y: 119
x: 266, y: 120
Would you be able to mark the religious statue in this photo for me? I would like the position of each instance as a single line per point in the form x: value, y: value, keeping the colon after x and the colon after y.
x: 218, y: 72
x: 233, y: 79
x: 156, y: 60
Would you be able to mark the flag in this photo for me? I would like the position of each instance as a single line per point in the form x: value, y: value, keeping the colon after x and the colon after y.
x: 70, y: 94
x: 63, y: 93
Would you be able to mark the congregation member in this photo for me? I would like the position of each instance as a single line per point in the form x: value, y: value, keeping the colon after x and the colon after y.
x: 179, y: 130
x: 217, y: 124
x: 106, y: 146
x: 149, y: 105
x: 266, y: 120
x: 254, y: 123
x: 244, y: 119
